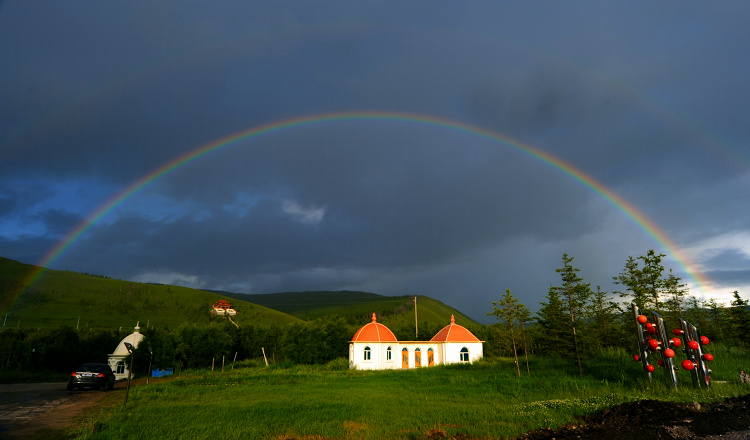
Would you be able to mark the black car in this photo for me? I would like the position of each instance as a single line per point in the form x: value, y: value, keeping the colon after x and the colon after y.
x: 99, y: 376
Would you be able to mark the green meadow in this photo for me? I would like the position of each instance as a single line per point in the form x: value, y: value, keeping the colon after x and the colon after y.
x: 484, y: 400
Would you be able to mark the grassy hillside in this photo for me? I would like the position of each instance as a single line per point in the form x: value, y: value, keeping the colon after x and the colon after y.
x: 12, y: 276
x: 358, y: 307
x: 68, y: 298
x: 79, y: 300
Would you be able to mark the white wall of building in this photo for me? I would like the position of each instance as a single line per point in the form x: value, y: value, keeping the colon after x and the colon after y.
x: 444, y: 353
x: 378, y: 358
x: 452, y: 351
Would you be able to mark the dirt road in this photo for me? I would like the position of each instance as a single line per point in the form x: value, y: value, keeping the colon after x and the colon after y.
x: 34, y: 410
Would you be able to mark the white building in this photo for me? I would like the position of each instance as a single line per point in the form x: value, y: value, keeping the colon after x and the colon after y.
x: 118, y: 360
x: 375, y: 347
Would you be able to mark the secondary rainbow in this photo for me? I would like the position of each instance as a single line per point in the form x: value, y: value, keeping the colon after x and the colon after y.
x: 643, y: 222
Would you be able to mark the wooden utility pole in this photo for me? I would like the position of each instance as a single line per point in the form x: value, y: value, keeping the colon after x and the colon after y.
x: 416, y: 323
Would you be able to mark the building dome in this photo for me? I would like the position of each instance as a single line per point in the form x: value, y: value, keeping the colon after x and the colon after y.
x: 374, y: 332
x: 454, y: 333
x: 134, y: 338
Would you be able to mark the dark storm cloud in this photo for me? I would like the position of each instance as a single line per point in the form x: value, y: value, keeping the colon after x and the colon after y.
x: 7, y: 204
x: 731, y: 279
x: 370, y: 219
x: 58, y: 222
x: 647, y: 99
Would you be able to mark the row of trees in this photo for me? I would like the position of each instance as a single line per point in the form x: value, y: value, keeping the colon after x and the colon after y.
x: 577, y: 321
x: 188, y: 346
x: 54, y: 350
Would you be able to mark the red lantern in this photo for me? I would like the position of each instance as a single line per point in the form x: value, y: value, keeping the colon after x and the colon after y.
x: 704, y: 340
x: 676, y: 342
x: 677, y: 332
x: 669, y: 353
x: 654, y: 344
x: 648, y: 324
x: 636, y: 358
x: 688, y: 364
x: 693, y: 345
x: 650, y: 368
x: 651, y: 330
x: 708, y: 357
x: 660, y: 362
x: 642, y: 319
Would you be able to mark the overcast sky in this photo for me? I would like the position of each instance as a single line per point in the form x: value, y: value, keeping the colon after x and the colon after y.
x: 650, y: 99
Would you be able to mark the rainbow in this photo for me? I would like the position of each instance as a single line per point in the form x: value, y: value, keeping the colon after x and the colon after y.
x: 630, y: 211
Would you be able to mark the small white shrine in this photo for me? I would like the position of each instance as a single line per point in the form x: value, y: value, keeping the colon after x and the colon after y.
x: 118, y: 360
x: 375, y: 347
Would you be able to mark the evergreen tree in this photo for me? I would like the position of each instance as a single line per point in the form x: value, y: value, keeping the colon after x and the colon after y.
x: 574, y: 294
x: 739, y: 319
x: 553, y: 337
x: 497, y: 341
x: 511, y: 313
x: 646, y: 286
x: 632, y: 279
x: 696, y: 314
x: 652, y: 278
x: 677, y: 293
x: 602, y: 314
x: 718, y: 323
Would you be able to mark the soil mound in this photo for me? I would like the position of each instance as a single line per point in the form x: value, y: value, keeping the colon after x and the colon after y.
x: 657, y: 420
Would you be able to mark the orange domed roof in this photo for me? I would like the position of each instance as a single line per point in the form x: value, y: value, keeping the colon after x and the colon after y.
x: 454, y: 333
x: 374, y: 332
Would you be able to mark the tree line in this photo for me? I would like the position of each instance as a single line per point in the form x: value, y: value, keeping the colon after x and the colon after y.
x: 188, y: 346
x: 577, y: 321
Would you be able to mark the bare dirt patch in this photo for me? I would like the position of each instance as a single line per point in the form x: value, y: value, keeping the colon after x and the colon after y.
x: 30, y: 411
x: 657, y: 420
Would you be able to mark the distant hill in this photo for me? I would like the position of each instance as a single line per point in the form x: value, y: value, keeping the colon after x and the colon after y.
x: 357, y: 307
x: 68, y: 298
x: 60, y: 298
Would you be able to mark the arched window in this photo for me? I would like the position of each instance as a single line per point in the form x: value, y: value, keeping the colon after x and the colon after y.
x: 388, y: 354
x: 430, y: 357
x: 368, y: 355
x: 464, y: 355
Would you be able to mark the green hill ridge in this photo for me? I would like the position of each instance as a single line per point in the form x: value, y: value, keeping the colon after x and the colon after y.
x: 60, y: 298
x: 357, y: 307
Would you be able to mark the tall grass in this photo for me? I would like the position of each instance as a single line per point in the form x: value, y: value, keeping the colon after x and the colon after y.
x: 483, y: 400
